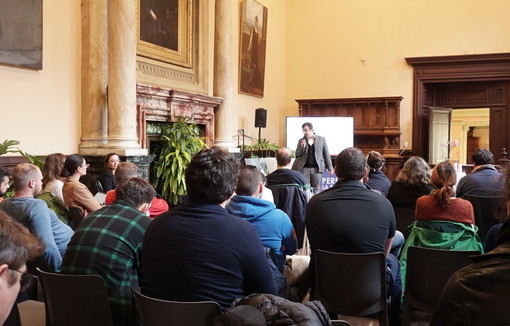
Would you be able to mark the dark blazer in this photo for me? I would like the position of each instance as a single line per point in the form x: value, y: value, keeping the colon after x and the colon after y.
x: 321, y: 155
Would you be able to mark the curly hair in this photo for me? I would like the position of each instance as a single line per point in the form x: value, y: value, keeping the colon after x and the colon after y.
x: 212, y: 175
x: 416, y: 172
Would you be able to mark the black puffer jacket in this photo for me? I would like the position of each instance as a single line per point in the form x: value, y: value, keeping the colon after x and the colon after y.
x: 274, y: 311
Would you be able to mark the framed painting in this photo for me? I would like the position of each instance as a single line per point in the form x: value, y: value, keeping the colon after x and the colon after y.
x: 252, y: 53
x: 165, y: 31
x: 21, y: 33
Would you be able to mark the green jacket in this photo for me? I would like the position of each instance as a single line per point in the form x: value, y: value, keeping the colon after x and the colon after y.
x: 444, y: 235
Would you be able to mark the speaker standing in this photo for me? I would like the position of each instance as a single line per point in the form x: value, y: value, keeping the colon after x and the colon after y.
x: 312, y: 156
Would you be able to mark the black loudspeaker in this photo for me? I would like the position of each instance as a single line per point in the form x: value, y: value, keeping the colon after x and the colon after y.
x: 260, y: 118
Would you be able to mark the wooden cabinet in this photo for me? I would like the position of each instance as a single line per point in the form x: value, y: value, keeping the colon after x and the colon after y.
x: 376, y: 123
x: 376, y: 120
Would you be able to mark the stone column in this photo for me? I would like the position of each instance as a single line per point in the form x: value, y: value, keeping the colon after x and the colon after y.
x: 94, y: 74
x: 223, y: 74
x: 122, y: 22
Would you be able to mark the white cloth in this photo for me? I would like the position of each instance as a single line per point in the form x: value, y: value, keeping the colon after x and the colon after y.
x: 55, y: 188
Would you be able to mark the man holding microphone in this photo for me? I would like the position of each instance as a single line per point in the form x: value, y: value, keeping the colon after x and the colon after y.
x: 312, y: 156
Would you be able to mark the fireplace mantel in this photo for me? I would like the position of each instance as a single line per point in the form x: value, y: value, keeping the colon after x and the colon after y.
x: 168, y: 105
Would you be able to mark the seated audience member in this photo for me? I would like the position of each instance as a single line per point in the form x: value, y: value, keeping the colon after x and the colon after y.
x: 284, y: 175
x: 109, y: 243
x: 36, y: 216
x: 288, y: 187
x: 273, y: 225
x: 107, y: 179
x: 412, y: 182
x: 376, y: 178
x: 199, y: 251
x: 475, y: 295
x: 351, y: 218
x: 4, y: 182
x: 76, y: 194
x: 128, y: 170
x: 484, y: 180
x: 52, y: 181
x: 18, y: 245
x: 267, y: 194
x: 442, y: 222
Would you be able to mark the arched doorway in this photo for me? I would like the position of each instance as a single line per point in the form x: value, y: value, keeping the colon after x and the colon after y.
x: 461, y: 82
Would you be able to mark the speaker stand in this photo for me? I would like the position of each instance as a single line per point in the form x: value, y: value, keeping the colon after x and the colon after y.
x: 260, y: 128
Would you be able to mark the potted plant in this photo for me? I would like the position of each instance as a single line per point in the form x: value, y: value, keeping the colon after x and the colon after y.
x: 179, y: 141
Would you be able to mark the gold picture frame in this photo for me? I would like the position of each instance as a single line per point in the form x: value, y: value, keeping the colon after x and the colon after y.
x: 165, y: 31
x: 252, y: 51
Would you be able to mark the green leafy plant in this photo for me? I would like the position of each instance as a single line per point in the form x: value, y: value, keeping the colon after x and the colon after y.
x: 179, y: 141
x: 263, y: 148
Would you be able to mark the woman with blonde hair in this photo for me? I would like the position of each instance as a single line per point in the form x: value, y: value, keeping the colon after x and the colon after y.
x: 412, y: 182
x: 52, y: 181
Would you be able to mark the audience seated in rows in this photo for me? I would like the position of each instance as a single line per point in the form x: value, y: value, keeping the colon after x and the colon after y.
x: 128, y: 170
x: 107, y: 179
x: 484, y: 179
x: 412, y: 182
x: 288, y: 187
x: 4, y: 182
x: 273, y: 225
x: 109, y: 243
x: 376, y: 178
x: 476, y: 294
x: 18, y: 245
x: 76, y: 194
x: 36, y: 216
x: 52, y: 180
x: 350, y: 218
x: 199, y: 251
x: 442, y: 222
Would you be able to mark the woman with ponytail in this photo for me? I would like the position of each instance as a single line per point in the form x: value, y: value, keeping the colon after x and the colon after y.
x: 440, y: 204
x: 442, y: 221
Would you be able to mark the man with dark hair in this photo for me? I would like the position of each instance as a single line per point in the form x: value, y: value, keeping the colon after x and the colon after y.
x: 351, y: 218
x: 312, y: 156
x: 484, y: 180
x: 273, y: 225
x: 36, y: 216
x: 109, y: 243
x: 4, y: 182
x: 18, y: 245
x: 199, y: 251
x: 128, y: 170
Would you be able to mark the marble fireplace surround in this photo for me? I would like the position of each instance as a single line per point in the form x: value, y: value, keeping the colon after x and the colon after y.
x: 159, y: 104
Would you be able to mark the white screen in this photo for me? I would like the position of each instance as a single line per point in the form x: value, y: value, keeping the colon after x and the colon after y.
x: 338, y: 131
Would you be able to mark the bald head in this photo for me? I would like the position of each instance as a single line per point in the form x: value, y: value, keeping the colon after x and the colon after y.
x: 283, y: 157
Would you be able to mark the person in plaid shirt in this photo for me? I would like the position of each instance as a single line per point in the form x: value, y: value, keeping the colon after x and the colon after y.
x: 108, y: 243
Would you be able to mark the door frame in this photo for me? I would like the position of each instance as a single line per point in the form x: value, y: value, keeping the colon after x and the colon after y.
x: 462, y: 81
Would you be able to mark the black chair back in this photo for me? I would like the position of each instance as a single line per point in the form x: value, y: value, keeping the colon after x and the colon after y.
x: 75, y: 216
x: 486, y: 212
x: 352, y: 284
x: 156, y: 312
x: 428, y: 270
x: 78, y: 300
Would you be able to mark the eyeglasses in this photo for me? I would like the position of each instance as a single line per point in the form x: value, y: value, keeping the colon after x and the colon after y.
x: 26, y: 281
